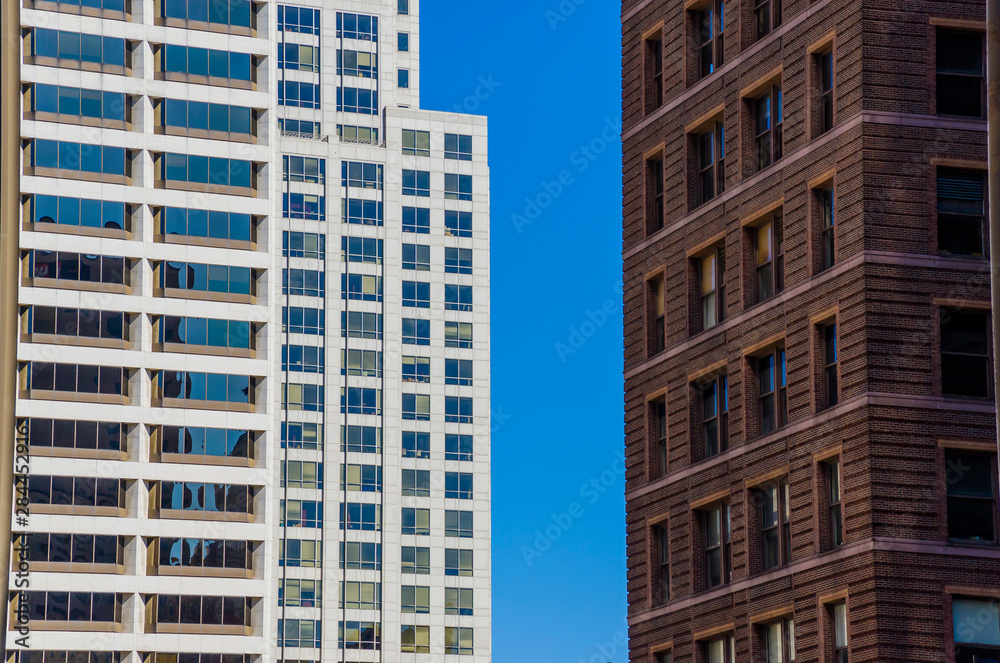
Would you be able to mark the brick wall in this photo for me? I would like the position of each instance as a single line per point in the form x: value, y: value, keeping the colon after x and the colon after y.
x: 896, y: 567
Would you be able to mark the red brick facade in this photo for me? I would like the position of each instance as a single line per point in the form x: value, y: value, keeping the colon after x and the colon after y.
x: 896, y: 568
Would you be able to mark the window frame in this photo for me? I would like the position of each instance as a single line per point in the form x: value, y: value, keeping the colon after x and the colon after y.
x: 772, y: 134
x: 774, y: 264
x: 718, y: 385
x: 714, y: 45
x: 953, y: 472
x: 772, y: 8
x: 653, y: 51
x: 771, y: 399
x: 710, y: 162
x: 982, y: 76
x: 723, y: 548
x: 969, y: 175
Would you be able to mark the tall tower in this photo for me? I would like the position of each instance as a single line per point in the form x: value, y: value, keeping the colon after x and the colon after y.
x: 253, y: 364
x: 384, y: 403
x: 809, y: 402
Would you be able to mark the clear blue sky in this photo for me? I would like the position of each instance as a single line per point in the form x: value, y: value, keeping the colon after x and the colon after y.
x: 552, y: 94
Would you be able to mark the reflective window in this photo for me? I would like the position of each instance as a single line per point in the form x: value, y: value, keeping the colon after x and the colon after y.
x: 362, y: 212
x: 355, y: 100
x: 205, y: 553
x: 457, y: 187
x: 417, y: 220
x: 206, y: 170
x: 357, y: 26
x: 213, y: 497
x: 79, y: 46
x: 84, y: 212
x: 207, y: 62
x: 205, y: 223
x: 301, y: 435
x: 75, y: 548
x: 416, y: 332
x: 299, y: 57
x: 357, y: 63
x: 307, y: 282
x: 214, y: 387
x: 457, y: 447
x: 295, y: 93
x: 224, y: 12
x: 81, y: 157
x: 225, y: 279
x: 77, y: 378
x: 300, y: 320
x: 198, y: 441
x: 416, y: 183
x: 78, y: 322
x: 304, y: 206
x: 207, y: 117
x: 298, y: 19
x: 76, y: 101
x: 458, y: 224
x: 416, y: 445
x: 458, y: 146
x: 361, y: 439
x: 69, y: 434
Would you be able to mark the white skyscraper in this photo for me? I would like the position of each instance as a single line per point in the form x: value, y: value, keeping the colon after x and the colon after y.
x: 254, y: 359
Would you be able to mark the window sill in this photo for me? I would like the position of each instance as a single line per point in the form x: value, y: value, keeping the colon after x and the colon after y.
x: 62, y: 8
x: 200, y: 187
x: 86, y: 231
x: 202, y: 629
x: 214, y: 81
x: 77, y: 567
x: 94, y: 627
x: 83, y: 176
x: 66, y: 63
x: 64, y: 452
x: 206, y: 133
x: 966, y: 543
x: 76, y: 341
x: 215, y: 516
x: 84, y: 286
x: 198, y: 459
x: 218, y: 406
x: 206, y: 26
x: 74, y: 397
x: 198, y: 572
x: 215, y: 242
x: 208, y: 350
x: 957, y: 398
x: 179, y: 293
x: 82, y: 120
x: 73, y: 510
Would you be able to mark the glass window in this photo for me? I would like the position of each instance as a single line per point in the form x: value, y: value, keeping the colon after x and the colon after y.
x: 961, y: 73
x: 416, y: 143
x: 417, y: 220
x: 458, y: 146
x: 971, y: 495
x: 416, y: 445
x: 416, y: 560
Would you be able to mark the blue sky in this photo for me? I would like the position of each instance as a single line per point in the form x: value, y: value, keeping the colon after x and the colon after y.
x: 547, y: 75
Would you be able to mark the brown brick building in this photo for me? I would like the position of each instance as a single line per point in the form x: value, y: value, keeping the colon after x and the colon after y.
x: 809, y: 402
